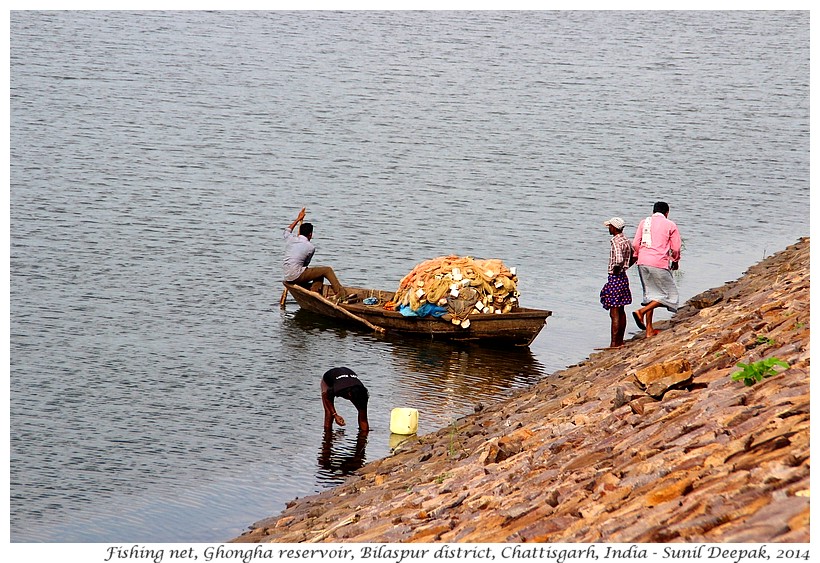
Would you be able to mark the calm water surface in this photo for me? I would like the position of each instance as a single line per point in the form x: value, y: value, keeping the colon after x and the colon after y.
x: 159, y: 393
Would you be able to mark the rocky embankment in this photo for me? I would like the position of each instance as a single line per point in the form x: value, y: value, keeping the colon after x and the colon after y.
x: 651, y: 442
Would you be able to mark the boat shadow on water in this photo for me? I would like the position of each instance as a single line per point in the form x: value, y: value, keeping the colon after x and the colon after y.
x: 468, y: 369
x: 313, y: 323
x: 475, y: 369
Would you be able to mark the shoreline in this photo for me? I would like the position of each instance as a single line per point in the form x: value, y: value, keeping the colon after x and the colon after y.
x: 650, y: 442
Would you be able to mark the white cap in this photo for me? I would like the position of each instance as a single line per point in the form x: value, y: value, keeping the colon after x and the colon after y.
x: 616, y: 222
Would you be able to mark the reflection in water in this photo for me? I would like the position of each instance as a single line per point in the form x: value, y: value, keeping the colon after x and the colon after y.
x: 397, y: 441
x: 469, y: 367
x: 311, y: 322
x: 449, y: 380
x: 443, y: 380
x: 461, y: 361
x: 347, y: 456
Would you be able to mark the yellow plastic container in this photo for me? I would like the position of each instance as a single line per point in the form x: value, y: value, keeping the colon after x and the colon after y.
x: 404, y: 421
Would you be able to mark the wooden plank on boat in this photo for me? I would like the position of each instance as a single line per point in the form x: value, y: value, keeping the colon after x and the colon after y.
x: 344, y: 313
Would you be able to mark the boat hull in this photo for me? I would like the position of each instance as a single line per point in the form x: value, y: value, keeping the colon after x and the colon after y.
x: 516, y: 328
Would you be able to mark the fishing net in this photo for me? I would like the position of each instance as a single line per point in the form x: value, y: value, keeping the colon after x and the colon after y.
x: 462, y: 285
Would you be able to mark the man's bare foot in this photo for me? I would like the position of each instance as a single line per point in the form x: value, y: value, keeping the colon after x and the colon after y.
x: 652, y: 332
x: 610, y: 347
x: 638, y: 320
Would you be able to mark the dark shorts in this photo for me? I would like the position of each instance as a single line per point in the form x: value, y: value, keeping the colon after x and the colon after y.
x: 341, y: 382
x: 616, y: 292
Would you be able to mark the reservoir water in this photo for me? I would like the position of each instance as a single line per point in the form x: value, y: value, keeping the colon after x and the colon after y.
x: 158, y: 393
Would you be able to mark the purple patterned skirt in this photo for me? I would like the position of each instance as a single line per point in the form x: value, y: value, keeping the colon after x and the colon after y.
x: 615, y: 292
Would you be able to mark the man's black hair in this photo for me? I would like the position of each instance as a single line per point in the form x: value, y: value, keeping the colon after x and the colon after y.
x: 661, y: 207
x: 306, y: 229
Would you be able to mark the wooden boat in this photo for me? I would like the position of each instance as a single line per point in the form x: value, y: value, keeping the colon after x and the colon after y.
x: 515, y: 328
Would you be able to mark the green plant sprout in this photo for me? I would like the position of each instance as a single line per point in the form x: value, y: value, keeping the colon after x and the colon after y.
x: 763, y: 339
x: 439, y: 479
x: 452, y: 451
x: 755, y: 372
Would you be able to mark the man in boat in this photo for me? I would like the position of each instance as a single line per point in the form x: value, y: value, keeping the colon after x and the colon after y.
x: 343, y: 382
x: 657, y: 246
x: 615, y: 295
x: 298, y: 253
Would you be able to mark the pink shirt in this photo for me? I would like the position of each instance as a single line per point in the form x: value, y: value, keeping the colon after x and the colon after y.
x: 665, y: 243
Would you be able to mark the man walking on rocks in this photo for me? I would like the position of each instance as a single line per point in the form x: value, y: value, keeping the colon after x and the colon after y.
x: 615, y: 294
x: 657, y: 247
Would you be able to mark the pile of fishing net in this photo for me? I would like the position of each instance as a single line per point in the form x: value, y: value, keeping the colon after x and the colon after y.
x: 453, y: 287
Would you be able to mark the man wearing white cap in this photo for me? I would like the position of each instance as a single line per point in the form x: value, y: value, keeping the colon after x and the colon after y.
x: 615, y: 295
